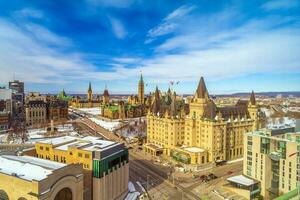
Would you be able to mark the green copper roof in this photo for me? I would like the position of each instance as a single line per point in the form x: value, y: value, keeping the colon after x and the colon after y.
x: 288, y: 195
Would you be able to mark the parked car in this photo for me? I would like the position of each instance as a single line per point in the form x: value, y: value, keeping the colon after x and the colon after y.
x: 212, y: 176
x: 229, y: 172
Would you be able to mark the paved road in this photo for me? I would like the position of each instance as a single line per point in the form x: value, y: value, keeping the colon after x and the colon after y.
x: 161, y: 187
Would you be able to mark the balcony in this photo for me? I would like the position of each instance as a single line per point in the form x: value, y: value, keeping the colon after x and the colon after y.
x: 275, y: 156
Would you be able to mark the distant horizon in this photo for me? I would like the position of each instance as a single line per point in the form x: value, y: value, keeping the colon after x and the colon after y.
x: 185, y: 94
x: 237, y: 46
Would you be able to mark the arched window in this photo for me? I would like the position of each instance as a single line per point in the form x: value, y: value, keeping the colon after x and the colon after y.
x: 3, y: 195
x: 64, y: 194
x: 22, y: 198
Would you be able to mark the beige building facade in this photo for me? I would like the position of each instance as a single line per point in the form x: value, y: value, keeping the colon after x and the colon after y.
x: 105, y: 163
x: 273, y: 160
x: 30, y: 178
x: 199, y: 132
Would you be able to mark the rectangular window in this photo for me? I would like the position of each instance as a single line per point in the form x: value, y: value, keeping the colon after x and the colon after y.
x: 80, y: 155
x: 87, y: 156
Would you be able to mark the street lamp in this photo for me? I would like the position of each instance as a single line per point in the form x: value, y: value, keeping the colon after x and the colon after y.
x: 297, y: 179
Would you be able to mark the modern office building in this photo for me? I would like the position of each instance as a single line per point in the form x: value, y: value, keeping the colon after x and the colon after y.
x: 26, y: 177
x: 273, y: 159
x: 18, y: 100
x: 202, y: 132
x: 105, y: 163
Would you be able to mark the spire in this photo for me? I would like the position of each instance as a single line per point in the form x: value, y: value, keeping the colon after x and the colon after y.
x: 169, y: 91
x: 201, y: 91
x: 156, y: 92
x: 173, y: 111
x: 141, y: 79
x: 252, y: 98
x: 90, y: 87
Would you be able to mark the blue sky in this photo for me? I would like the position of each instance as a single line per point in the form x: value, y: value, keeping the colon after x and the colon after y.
x: 236, y: 45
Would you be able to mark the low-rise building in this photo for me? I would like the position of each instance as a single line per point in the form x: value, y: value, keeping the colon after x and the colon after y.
x: 41, y: 109
x: 35, y: 112
x: 26, y: 177
x: 105, y: 163
x: 4, y: 121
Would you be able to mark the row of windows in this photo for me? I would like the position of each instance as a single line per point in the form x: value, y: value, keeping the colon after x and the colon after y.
x: 36, y: 113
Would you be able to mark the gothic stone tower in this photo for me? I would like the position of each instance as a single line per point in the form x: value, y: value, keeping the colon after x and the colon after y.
x: 253, y: 111
x: 200, y: 100
x: 141, y: 90
x: 90, y: 93
x: 105, y: 96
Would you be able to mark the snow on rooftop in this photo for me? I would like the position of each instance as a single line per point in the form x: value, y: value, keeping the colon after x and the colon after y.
x: 27, y: 167
x: 92, y: 111
x: 59, y: 140
x: 88, y: 143
x: 107, y: 125
x: 65, y: 146
x: 194, y: 149
x: 243, y: 180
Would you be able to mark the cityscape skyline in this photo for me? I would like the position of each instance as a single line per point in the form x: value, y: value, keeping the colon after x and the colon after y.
x: 235, y: 47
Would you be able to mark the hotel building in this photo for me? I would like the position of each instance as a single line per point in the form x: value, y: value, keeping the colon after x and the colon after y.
x: 199, y: 132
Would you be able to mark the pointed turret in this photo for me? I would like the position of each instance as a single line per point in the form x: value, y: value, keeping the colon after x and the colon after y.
x: 156, y: 102
x: 201, y: 91
x: 90, y: 93
x: 156, y: 94
x: 90, y: 87
x: 141, y: 91
x: 141, y: 79
x: 173, y: 106
x: 252, y: 98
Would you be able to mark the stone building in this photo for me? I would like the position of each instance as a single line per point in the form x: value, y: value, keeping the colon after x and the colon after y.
x: 135, y: 107
x: 36, y: 112
x: 202, y: 132
x: 56, y: 109
x: 26, y: 177
x: 88, y: 102
x: 41, y: 109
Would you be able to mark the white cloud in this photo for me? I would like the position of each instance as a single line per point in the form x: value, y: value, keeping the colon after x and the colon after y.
x: 33, y: 60
x: 280, y: 4
x: 111, y: 3
x: 169, y: 23
x: 118, y: 28
x: 44, y: 35
x: 127, y: 60
x: 28, y: 12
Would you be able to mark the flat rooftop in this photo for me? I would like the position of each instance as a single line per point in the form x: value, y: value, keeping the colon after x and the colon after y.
x: 194, y: 149
x: 242, y: 180
x: 88, y: 143
x: 27, y: 167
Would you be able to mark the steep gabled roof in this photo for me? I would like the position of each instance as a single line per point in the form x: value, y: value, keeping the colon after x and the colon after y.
x: 252, y: 98
x: 90, y: 87
x: 201, y: 91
